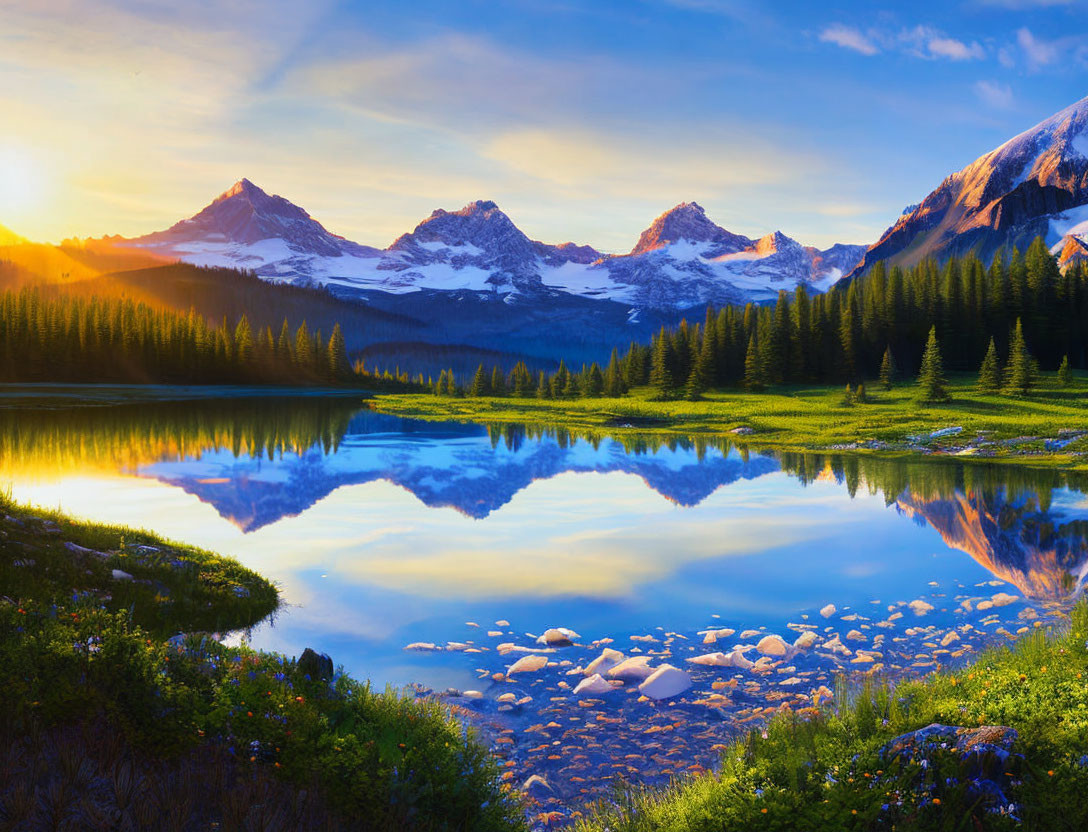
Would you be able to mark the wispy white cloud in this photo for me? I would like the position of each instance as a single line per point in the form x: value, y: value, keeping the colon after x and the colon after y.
x: 1038, y: 52
x: 849, y: 37
x: 955, y: 50
x: 994, y: 94
x: 918, y: 41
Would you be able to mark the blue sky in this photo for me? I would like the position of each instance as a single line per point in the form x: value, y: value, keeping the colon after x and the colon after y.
x: 583, y: 120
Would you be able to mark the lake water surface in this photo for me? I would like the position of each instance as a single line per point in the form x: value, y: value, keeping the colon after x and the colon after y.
x: 468, y: 542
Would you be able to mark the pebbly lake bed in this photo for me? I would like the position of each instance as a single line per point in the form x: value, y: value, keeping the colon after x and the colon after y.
x: 600, y: 607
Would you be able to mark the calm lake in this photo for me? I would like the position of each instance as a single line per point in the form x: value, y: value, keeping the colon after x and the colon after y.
x: 468, y: 542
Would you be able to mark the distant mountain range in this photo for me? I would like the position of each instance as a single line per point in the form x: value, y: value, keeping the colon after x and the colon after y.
x: 683, y: 260
x: 472, y: 279
x: 1035, y: 184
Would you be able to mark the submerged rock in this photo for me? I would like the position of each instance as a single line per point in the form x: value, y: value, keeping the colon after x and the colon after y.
x: 635, y: 668
x: 593, y: 686
x: 806, y: 640
x: 773, y: 646
x: 665, y: 682
x: 608, y: 659
x: 558, y: 637
x: 527, y: 664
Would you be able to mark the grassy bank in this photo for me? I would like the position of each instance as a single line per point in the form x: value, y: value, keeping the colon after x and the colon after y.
x: 116, y: 702
x: 841, y: 770
x: 796, y: 418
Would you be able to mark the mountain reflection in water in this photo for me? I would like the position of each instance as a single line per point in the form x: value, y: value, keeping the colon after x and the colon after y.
x: 257, y: 461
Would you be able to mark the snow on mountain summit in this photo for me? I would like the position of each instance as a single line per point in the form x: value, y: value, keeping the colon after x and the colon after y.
x: 682, y: 260
x: 687, y: 221
x: 1033, y: 184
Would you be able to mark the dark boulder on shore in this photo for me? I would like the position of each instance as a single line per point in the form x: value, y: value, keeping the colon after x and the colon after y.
x: 316, y: 665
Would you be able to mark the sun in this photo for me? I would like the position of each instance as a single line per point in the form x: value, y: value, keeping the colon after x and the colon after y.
x: 22, y: 181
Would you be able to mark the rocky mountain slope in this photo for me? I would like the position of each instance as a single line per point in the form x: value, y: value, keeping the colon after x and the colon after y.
x: 682, y: 260
x: 1034, y: 184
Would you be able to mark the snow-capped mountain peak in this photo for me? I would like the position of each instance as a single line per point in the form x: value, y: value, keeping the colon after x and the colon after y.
x: 682, y: 260
x: 686, y: 222
x: 775, y: 242
x: 1034, y: 184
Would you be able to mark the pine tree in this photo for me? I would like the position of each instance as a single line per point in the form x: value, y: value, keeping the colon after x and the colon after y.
x: 614, y: 386
x: 888, y: 369
x: 933, y: 387
x: 543, y: 387
x: 303, y: 354
x: 661, y: 365
x: 243, y: 343
x: 480, y: 383
x: 338, y: 355
x: 989, y: 374
x: 753, y: 369
x: 1020, y: 371
x: 498, y: 383
x: 594, y: 382
x: 702, y: 371
x: 1065, y: 374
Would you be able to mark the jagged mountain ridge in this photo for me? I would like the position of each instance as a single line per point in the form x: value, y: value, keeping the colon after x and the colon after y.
x: 1034, y: 184
x: 682, y: 260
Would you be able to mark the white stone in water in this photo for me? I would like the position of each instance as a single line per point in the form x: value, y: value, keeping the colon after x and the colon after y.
x: 635, y: 668
x: 835, y: 645
x: 510, y: 647
x: 822, y: 694
x: 1003, y: 599
x: 856, y: 635
x: 608, y: 659
x: 558, y: 637
x: 422, y: 645
x: 920, y: 607
x: 828, y: 611
x: 711, y: 636
x: 747, y: 634
x: 806, y: 640
x: 665, y: 682
x: 527, y: 664
x: 949, y: 637
x: 502, y: 622
x: 713, y: 659
x: 472, y: 694
x: 536, y: 784
x: 740, y: 660
x: 456, y: 645
x: 593, y: 686
x: 773, y: 646
x: 506, y: 697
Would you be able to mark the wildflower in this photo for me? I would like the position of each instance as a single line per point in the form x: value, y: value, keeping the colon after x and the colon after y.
x: 936, y: 801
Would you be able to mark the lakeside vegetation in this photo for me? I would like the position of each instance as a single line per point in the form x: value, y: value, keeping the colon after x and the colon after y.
x: 800, y: 418
x: 839, y: 769
x: 122, y: 711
